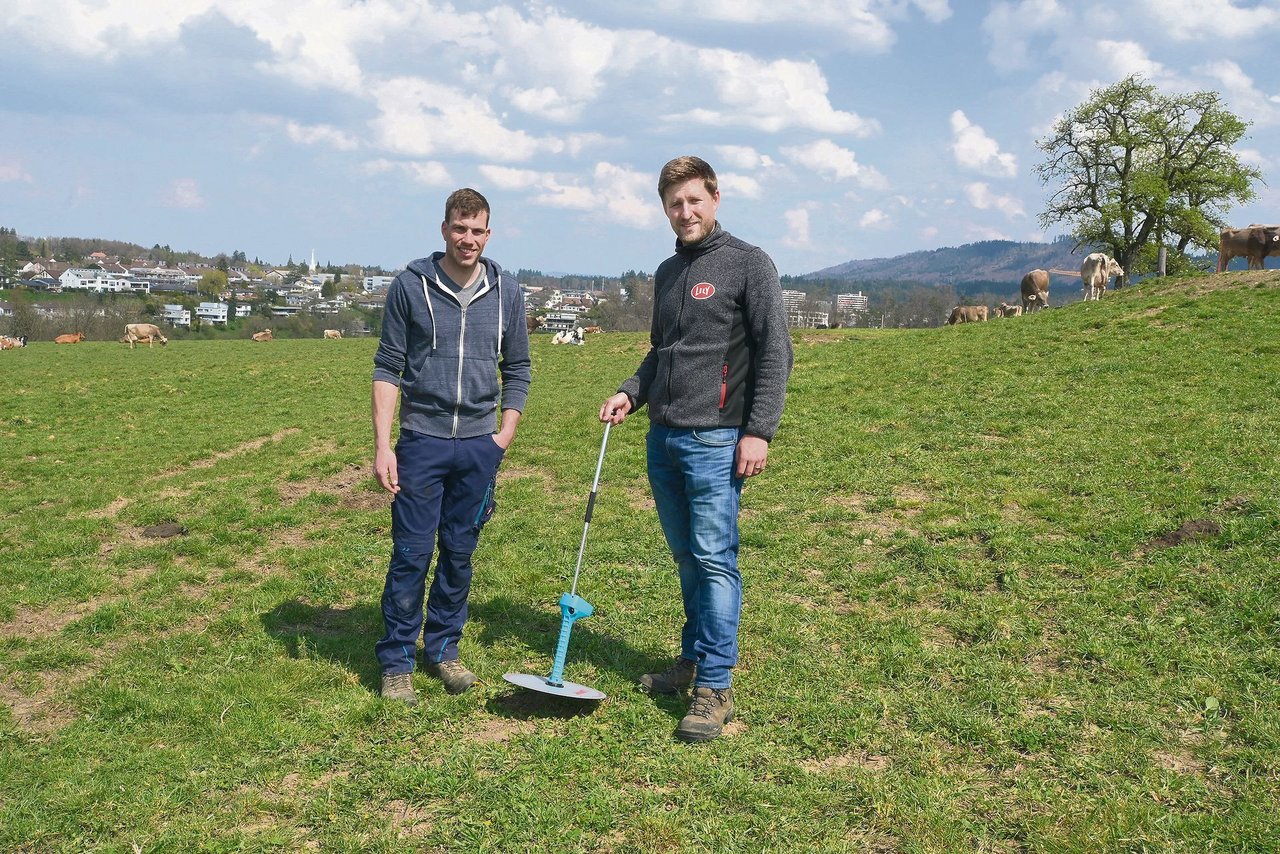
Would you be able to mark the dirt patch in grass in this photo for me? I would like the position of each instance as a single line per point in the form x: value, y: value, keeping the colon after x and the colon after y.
x: 873, y: 762
x: 351, y: 485
x: 1189, y: 531
x: 41, y: 712
x: 639, y: 498
x: 406, y: 819
x: 498, y: 730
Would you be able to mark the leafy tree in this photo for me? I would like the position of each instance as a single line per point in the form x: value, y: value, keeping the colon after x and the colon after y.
x: 213, y: 283
x: 1137, y: 168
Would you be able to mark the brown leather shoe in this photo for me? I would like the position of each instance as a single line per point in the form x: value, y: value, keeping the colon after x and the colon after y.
x: 453, y: 673
x: 710, y: 710
x: 679, y: 675
x: 399, y: 686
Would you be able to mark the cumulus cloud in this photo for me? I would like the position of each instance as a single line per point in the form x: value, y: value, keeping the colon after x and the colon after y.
x: 1012, y: 28
x: 183, y: 193
x: 321, y: 134
x: 1211, y: 20
x: 981, y: 197
x: 866, y: 25
x: 1241, y: 94
x: 874, y: 218
x: 770, y: 96
x: 742, y: 157
x: 797, y: 236
x: 622, y: 195
x: 827, y: 158
x: 733, y: 184
x: 973, y: 149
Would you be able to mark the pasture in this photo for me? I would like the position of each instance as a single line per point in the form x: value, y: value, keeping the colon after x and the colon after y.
x: 1010, y: 586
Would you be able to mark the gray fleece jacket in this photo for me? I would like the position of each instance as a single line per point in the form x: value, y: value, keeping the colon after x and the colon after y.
x: 720, y: 353
x: 447, y: 359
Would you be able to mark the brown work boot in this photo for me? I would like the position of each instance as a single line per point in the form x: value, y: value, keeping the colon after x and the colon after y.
x: 710, y: 710
x: 453, y: 673
x: 399, y: 686
x: 679, y: 675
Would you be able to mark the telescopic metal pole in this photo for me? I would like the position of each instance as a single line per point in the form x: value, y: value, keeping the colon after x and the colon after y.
x: 591, y: 504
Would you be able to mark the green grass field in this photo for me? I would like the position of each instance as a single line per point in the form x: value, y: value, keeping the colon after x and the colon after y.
x: 1009, y: 587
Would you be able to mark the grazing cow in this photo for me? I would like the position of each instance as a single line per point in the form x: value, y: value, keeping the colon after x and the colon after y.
x: 1096, y: 272
x: 1035, y: 290
x: 1255, y: 243
x: 533, y: 322
x: 1006, y: 310
x: 69, y: 339
x: 333, y: 333
x: 967, y: 314
x: 264, y: 335
x: 593, y: 329
x: 136, y: 333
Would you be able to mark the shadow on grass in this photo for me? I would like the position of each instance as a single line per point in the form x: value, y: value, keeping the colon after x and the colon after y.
x: 344, y: 636
x: 539, y: 629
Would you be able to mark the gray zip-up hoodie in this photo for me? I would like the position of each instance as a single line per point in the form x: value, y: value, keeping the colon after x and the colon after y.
x: 720, y: 351
x: 446, y: 359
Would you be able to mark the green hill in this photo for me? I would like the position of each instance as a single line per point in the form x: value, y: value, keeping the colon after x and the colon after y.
x: 1009, y: 586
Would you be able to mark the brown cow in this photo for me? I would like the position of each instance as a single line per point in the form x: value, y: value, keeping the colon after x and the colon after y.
x: 533, y: 322
x: 333, y: 333
x: 1255, y: 243
x: 264, y: 335
x: 592, y: 329
x: 136, y: 333
x: 1035, y: 290
x: 69, y: 339
x: 968, y: 314
x: 1006, y: 310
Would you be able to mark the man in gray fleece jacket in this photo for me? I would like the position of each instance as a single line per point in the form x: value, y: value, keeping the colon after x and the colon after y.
x: 715, y: 379
x: 452, y: 324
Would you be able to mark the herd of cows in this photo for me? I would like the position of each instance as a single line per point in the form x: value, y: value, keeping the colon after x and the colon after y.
x: 135, y: 334
x: 1254, y: 243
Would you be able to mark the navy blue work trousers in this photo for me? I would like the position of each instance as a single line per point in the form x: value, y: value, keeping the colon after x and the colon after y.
x: 446, y: 496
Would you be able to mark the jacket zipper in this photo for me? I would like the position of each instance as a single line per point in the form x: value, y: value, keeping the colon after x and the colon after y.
x: 724, y: 383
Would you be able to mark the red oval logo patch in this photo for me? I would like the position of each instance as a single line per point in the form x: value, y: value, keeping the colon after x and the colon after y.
x: 702, y: 290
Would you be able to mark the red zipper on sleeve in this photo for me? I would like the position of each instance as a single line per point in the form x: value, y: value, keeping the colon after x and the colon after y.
x: 724, y: 383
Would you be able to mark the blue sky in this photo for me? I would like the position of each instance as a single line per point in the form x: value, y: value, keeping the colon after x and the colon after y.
x: 840, y: 130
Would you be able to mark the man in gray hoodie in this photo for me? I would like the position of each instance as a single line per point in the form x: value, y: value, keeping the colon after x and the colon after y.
x: 715, y: 379
x: 453, y: 323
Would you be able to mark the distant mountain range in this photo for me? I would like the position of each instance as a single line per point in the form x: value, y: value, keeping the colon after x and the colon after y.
x: 990, y: 261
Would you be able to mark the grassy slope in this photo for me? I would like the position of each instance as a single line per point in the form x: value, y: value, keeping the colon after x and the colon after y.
x: 955, y: 638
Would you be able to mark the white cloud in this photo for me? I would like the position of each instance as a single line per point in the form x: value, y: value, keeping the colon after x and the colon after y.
x: 866, y: 25
x: 183, y: 193
x: 1116, y: 60
x: 742, y: 157
x: 928, y: 233
x: 1254, y: 157
x: 874, y: 218
x: 769, y: 96
x: 622, y: 195
x: 973, y: 149
x: 12, y: 171
x: 827, y: 158
x: 326, y: 134
x: 733, y: 184
x: 1012, y: 28
x: 981, y: 197
x: 797, y: 236
x: 984, y: 232
x: 1242, y: 96
x: 1210, y: 20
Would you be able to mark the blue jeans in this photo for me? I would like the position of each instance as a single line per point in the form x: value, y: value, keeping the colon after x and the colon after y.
x: 696, y: 489
x: 446, y: 496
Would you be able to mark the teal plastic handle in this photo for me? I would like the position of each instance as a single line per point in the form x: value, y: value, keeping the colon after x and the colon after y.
x: 572, y: 609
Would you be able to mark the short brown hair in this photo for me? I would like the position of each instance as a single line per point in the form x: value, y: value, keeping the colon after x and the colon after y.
x: 684, y: 169
x: 466, y: 202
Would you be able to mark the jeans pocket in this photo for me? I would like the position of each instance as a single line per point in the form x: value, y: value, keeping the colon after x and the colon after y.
x: 719, y: 437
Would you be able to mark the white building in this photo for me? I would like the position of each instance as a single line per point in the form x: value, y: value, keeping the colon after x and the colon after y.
x: 176, y: 315
x: 99, y: 281
x: 212, y: 312
x: 794, y: 301
x: 376, y: 283
x: 851, y: 303
x: 808, y: 319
